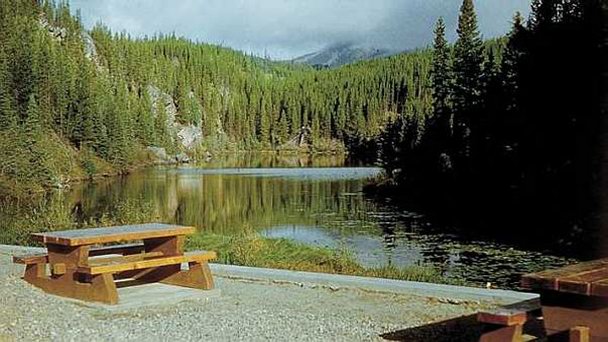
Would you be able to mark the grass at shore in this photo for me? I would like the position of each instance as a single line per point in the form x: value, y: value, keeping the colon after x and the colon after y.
x: 250, y: 249
x: 245, y: 249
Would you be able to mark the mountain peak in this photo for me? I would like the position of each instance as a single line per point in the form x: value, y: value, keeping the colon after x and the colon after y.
x: 340, y: 54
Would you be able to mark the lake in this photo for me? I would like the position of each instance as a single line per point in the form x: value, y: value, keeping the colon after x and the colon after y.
x: 312, y: 201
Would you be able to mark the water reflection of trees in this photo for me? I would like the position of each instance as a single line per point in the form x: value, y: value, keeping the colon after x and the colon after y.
x: 227, y: 203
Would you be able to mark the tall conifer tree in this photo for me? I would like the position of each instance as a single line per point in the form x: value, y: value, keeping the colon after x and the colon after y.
x: 468, y: 57
x: 441, y: 79
x: 441, y: 70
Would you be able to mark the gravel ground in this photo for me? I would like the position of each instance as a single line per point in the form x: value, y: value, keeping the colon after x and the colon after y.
x: 246, y: 310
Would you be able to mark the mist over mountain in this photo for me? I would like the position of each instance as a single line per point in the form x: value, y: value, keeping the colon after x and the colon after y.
x: 286, y: 29
x: 341, y: 54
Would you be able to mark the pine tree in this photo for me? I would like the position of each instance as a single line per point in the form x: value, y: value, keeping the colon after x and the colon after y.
x: 440, y: 125
x: 145, y: 121
x: 441, y: 70
x: 512, y: 58
x: 467, y: 59
x: 467, y: 80
x: 32, y: 124
x: 37, y: 154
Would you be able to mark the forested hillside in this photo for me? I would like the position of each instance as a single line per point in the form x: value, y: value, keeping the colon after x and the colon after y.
x: 77, y: 103
x: 512, y: 146
x: 507, y: 128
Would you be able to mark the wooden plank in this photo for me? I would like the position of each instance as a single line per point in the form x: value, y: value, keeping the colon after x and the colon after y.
x: 600, y: 288
x: 549, y: 279
x: 169, y: 246
x: 122, y: 259
x: 581, y: 283
x: 125, y: 249
x: 156, y: 262
x: 31, y: 259
x: 112, y: 234
x: 502, y: 316
x: 535, y: 281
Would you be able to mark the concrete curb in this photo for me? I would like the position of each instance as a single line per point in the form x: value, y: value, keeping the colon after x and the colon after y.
x: 502, y: 297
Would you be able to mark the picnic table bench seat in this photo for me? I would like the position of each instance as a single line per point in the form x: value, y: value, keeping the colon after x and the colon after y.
x: 76, y: 267
x: 148, y: 260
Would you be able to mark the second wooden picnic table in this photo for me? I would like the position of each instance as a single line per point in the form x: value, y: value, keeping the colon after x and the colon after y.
x: 77, y: 267
x: 574, y: 297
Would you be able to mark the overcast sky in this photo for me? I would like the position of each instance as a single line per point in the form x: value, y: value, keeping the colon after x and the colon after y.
x: 284, y: 29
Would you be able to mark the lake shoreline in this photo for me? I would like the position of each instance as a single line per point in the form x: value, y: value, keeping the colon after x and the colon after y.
x: 21, y: 190
x: 307, y: 202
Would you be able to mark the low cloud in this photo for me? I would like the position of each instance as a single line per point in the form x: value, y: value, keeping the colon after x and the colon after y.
x: 284, y: 29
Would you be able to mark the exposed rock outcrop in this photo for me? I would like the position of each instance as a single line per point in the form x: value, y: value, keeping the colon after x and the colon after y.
x: 90, y: 51
x: 160, y: 98
x: 58, y: 33
x: 188, y: 136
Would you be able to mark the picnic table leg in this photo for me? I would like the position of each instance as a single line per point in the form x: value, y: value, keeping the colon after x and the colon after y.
x: 197, y: 276
x: 579, y: 334
x: 169, y: 246
x: 34, y: 271
x: 66, y: 282
x: 512, y: 333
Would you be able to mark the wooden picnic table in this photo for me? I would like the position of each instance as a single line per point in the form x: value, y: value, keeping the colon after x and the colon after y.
x: 574, y: 297
x: 76, y: 266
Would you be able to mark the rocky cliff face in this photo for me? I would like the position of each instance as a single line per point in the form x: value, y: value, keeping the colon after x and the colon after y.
x: 90, y: 51
x: 160, y: 98
x: 188, y: 136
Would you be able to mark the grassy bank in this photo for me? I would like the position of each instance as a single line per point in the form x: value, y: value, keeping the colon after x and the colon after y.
x: 250, y: 249
x: 246, y: 248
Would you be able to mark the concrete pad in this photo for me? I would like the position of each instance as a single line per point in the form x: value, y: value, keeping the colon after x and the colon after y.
x: 150, y: 295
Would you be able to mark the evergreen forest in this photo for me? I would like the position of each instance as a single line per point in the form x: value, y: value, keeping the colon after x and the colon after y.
x: 77, y: 103
x: 513, y: 144
x: 501, y: 135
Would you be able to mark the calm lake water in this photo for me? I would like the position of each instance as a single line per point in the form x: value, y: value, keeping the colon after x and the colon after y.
x: 317, y: 202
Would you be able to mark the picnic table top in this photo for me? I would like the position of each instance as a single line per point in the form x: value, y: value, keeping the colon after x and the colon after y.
x: 588, y: 278
x: 93, y: 236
